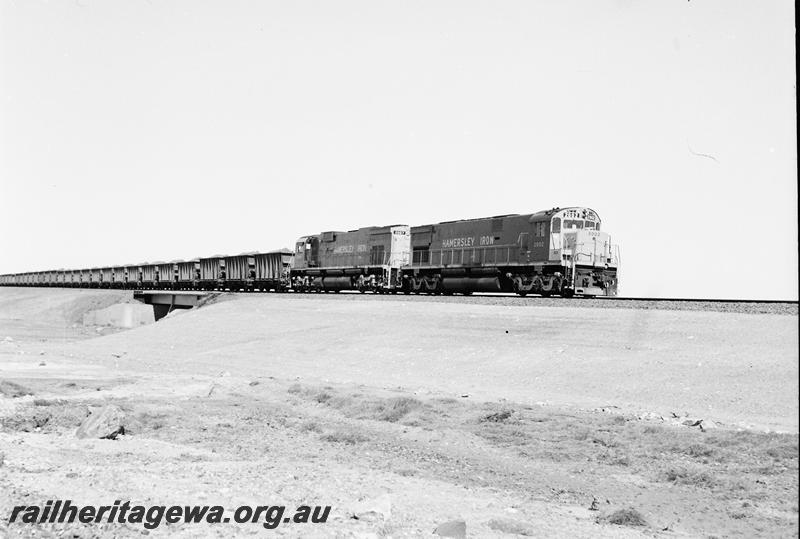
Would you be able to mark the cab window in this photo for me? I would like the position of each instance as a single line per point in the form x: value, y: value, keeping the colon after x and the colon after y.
x: 573, y: 224
x: 556, y: 225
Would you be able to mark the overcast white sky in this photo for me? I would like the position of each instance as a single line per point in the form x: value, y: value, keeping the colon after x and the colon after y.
x: 154, y: 130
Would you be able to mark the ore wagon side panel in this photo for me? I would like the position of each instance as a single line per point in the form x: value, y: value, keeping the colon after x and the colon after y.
x: 211, y: 268
x: 166, y: 273
x: 118, y: 276
x: 133, y: 275
x: 187, y: 271
x: 94, y: 277
x: 107, y: 275
x: 237, y: 268
x: 269, y: 266
x: 149, y: 272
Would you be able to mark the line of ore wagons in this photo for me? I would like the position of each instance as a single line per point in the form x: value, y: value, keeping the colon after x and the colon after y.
x: 270, y: 273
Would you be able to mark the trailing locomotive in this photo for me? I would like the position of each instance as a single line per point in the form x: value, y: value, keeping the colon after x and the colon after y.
x: 555, y: 252
x: 369, y: 258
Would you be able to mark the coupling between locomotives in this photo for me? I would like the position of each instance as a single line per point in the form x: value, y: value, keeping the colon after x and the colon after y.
x: 557, y: 252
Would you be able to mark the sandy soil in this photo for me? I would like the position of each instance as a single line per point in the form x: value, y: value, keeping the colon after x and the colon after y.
x: 511, y: 419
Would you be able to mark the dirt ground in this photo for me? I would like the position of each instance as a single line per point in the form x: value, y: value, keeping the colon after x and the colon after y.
x: 545, y: 421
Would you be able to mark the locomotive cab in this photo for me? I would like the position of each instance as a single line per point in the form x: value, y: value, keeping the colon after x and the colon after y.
x: 587, y: 253
x: 306, y: 250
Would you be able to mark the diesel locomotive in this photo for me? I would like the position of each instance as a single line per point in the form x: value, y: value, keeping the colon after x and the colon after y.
x: 561, y: 251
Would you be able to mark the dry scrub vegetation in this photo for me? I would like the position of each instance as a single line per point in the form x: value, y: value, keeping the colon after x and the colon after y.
x: 745, y: 468
x: 746, y: 480
x: 722, y: 460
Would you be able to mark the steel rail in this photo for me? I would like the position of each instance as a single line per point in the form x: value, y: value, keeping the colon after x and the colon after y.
x: 456, y: 294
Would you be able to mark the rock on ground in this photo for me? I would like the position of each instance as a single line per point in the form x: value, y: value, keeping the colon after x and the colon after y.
x: 452, y: 528
x: 105, y: 423
x: 514, y: 527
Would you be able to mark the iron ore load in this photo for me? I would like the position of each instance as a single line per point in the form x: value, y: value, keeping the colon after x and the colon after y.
x: 561, y: 252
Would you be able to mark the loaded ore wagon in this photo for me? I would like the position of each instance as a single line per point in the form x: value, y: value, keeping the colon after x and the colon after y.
x: 133, y: 276
x: 239, y: 272
x: 106, y: 277
x: 166, y: 275
x: 149, y: 278
x: 94, y: 277
x: 212, y: 272
x: 272, y: 270
x: 188, y: 274
x: 117, y: 277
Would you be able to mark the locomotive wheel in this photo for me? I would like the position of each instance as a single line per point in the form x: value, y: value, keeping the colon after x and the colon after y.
x: 558, y: 282
x: 537, y: 285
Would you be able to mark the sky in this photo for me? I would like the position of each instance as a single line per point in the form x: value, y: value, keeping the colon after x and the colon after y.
x: 135, y: 131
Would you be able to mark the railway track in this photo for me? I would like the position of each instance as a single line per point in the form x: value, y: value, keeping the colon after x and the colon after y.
x: 789, y: 307
x: 755, y: 306
x: 695, y: 300
x: 676, y: 304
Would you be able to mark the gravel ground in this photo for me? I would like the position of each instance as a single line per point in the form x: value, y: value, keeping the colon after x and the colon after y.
x: 557, y: 422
